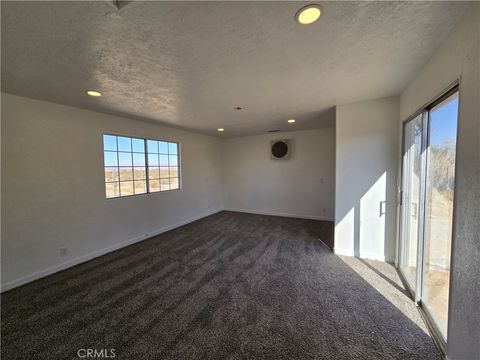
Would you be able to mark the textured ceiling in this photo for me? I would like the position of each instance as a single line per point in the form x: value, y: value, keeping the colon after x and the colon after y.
x: 188, y: 64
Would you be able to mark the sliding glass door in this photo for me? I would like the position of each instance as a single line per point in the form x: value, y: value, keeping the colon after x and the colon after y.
x: 428, y: 177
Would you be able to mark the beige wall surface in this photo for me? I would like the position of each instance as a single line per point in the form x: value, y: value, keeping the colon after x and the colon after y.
x: 301, y: 186
x: 366, y: 173
x: 53, y: 192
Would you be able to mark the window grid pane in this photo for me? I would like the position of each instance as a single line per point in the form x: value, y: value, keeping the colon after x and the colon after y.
x: 139, y: 173
x: 164, y: 184
x: 126, y: 188
x: 138, y: 159
x: 138, y: 145
x: 124, y: 144
x: 109, y: 143
x: 140, y: 187
x: 111, y: 173
x: 152, y: 146
x: 173, y: 183
x: 164, y: 173
x: 163, y: 147
x: 126, y: 173
x: 154, y: 185
x: 112, y: 190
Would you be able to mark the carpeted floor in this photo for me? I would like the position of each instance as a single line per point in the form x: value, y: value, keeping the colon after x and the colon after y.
x: 230, y: 286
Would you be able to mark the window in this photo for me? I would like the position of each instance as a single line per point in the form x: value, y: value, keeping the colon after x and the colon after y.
x: 162, y: 165
x: 129, y: 162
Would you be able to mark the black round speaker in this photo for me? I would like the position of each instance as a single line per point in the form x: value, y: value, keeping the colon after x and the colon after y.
x: 279, y: 149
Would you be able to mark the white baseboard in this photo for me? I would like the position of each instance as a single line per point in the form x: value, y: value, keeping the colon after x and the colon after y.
x: 363, y: 255
x: 343, y: 252
x: 277, y: 213
x: 373, y: 256
x: 26, y: 279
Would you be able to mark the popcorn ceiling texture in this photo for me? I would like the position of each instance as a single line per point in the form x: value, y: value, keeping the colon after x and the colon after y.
x: 229, y: 286
x: 189, y: 64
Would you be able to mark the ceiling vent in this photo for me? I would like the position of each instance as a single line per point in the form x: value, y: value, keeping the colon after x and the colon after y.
x: 280, y: 149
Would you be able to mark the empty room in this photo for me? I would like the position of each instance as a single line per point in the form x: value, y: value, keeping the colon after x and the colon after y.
x: 240, y: 180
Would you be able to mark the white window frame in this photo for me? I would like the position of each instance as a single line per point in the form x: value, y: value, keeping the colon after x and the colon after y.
x: 146, y: 165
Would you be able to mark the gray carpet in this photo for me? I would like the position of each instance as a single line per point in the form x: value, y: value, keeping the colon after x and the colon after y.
x: 230, y: 286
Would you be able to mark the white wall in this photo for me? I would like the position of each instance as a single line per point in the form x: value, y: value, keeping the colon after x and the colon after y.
x: 366, y: 173
x: 302, y: 186
x: 53, y: 192
x: 459, y: 58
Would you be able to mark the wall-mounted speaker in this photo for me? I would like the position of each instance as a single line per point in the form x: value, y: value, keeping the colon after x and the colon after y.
x: 280, y: 149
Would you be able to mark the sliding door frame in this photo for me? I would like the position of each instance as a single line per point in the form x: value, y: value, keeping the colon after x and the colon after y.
x: 422, y: 206
x: 413, y: 292
x: 416, y: 294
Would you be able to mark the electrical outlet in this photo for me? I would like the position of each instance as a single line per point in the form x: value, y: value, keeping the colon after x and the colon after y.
x: 63, y: 252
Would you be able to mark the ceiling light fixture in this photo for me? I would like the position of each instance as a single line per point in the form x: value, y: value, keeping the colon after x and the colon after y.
x: 93, y: 93
x: 291, y: 121
x: 308, y: 14
x: 221, y: 129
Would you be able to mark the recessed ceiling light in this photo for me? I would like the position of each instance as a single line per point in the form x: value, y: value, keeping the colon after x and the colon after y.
x: 291, y: 121
x: 93, y: 93
x: 308, y: 14
x: 221, y: 129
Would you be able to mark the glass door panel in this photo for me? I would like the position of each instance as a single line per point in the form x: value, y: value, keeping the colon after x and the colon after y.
x: 412, y: 150
x: 442, y: 134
